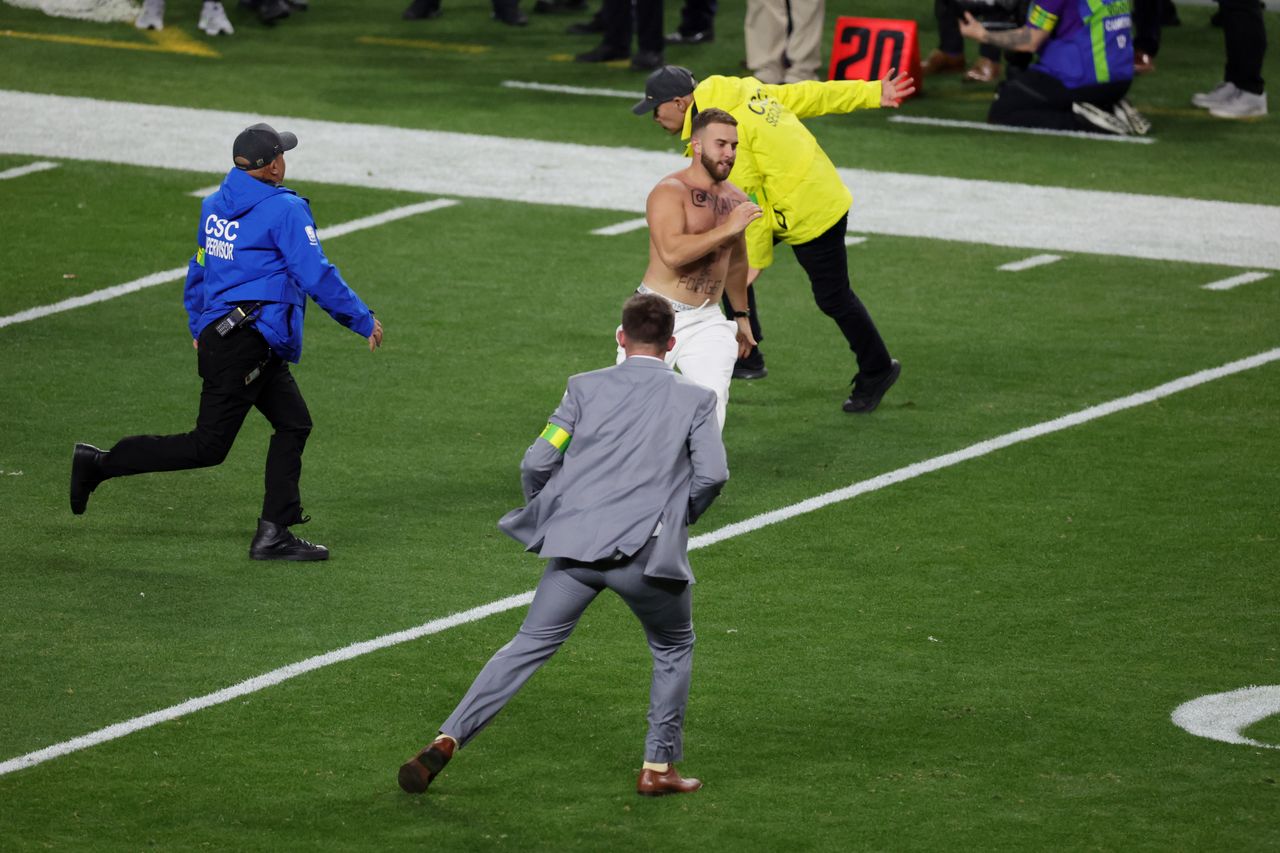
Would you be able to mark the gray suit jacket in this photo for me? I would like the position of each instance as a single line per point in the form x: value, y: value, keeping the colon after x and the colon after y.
x: 645, y: 449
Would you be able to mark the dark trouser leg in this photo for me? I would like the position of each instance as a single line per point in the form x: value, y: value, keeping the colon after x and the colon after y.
x: 949, y: 38
x: 557, y: 605
x: 617, y: 24
x: 1147, y: 15
x: 281, y: 402
x: 754, y: 359
x: 665, y: 609
x: 1032, y: 99
x: 826, y: 261
x: 697, y: 16
x: 1246, y: 41
x: 649, y: 35
x: 224, y: 402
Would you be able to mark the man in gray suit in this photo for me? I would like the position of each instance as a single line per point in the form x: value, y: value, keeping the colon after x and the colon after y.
x: 630, y: 458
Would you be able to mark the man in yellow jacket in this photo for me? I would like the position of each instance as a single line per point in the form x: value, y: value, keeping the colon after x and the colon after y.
x: 781, y: 167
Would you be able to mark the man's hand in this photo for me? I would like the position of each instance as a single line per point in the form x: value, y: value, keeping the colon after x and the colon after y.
x: 971, y: 28
x: 375, y: 340
x: 195, y: 344
x: 746, y: 342
x: 743, y: 215
x: 895, y: 86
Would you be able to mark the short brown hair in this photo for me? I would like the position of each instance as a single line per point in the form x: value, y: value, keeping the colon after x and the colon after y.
x: 712, y: 116
x: 648, y: 319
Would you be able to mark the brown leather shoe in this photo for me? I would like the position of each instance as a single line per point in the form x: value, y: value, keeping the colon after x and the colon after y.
x: 942, y: 63
x: 655, y: 784
x: 416, y: 774
x: 1143, y: 62
x: 983, y: 71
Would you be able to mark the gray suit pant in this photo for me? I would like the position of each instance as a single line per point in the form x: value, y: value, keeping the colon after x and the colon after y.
x: 664, y: 608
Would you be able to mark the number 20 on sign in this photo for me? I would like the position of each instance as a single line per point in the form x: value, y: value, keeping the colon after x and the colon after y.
x: 868, y: 48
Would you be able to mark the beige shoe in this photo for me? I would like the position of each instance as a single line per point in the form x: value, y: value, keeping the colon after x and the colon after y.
x: 942, y: 63
x: 983, y: 71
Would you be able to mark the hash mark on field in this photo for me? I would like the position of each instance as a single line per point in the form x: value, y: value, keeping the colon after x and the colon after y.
x: 851, y: 240
x: 937, y: 463
x: 1236, y: 281
x: 29, y: 169
x: 204, y: 191
x: 177, y: 273
x: 570, y: 90
x: 1029, y: 263
x: 622, y: 227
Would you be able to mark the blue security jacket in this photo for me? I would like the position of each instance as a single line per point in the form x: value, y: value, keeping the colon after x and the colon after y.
x: 257, y: 243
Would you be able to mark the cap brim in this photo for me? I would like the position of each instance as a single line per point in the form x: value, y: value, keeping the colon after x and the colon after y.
x: 647, y: 105
x: 288, y: 140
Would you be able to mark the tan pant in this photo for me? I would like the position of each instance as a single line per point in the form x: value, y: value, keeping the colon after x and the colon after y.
x: 767, y: 40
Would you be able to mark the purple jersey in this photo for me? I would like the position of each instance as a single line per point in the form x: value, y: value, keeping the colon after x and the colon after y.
x: 1090, y: 41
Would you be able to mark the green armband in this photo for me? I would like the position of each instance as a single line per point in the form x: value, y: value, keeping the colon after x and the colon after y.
x: 557, y: 437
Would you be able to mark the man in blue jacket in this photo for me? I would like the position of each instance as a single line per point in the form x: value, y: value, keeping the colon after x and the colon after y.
x: 257, y: 260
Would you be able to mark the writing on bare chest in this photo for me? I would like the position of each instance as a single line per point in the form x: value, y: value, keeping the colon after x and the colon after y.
x: 717, y: 205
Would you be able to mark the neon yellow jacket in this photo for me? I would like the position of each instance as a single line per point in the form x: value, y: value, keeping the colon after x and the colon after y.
x: 780, y: 165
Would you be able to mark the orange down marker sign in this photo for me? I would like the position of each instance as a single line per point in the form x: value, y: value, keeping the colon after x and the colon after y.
x: 867, y: 48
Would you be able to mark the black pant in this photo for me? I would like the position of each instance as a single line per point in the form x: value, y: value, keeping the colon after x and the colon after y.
x: 756, y: 331
x: 618, y: 25
x: 1033, y: 99
x: 949, y: 38
x: 1246, y: 42
x: 697, y: 16
x: 225, y: 399
x: 1148, y: 16
x: 826, y: 261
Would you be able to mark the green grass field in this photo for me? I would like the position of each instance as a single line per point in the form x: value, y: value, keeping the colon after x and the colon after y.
x: 983, y: 657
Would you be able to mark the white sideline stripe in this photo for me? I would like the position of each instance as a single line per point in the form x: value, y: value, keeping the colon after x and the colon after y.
x: 459, y: 165
x: 622, y: 227
x: 261, y: 682
x: 166, y: 276
x: 1237, y: 280
x: 850, y: 240
x: 204, y: 191
x: 571, y: 90
x: 1029, y: 263
x: 740, y: 528
x: 1034, y: 131
x: 29, y: 169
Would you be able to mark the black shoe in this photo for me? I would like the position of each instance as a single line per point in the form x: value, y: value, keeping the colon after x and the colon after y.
x: 602, y: 53
x: 275, y: 542
x: 550, y: 7
x: 422, y: 10
x: 86, y: 474
x: 751, y: 367
x: 585, y: 28
x: 699, y: 37
x: 511, y: 17
x: 647, y: 60
x: 416, y: 774
x: 868, y: 389
x: 272, y: 11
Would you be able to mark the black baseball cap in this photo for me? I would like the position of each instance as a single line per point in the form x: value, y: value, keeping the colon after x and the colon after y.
x: 259, y: 144
x: 665, y: 84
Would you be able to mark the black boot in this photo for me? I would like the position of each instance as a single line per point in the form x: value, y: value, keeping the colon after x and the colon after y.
x: 751, y: 367
x: 86, y: 474
x: 869, y: 388
x: 275, y: 542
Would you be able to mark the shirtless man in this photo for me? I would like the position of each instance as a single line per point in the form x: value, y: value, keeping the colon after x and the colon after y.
x: 697, y: 251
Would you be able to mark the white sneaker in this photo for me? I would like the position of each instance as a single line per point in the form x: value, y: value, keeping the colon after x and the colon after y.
x: 213, y: 19
x: 1241, y: 105
x: 1100, y: 118
x: 152, y: 17
x: 1139, y: 125
x: 1218, y: 93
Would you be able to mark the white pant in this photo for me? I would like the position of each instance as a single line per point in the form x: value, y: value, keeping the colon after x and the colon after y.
x: 706, y: 349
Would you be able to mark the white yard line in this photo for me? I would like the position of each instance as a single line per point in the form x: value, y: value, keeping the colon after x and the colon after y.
x: 460, y: 165
x: 1029, y: 263
x: 622, y: 227
x: 740, y: 528
x: 178, y: 273
x: 29, y: 169
x: 1237, y: 280
x: 1034, y: 131
x: 572, y: 90
x: 205, y: 191
x: 850, y: 240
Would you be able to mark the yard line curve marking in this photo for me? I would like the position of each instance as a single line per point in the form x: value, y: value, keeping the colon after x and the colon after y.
x: 1029, y: 263
x: 622, y: 227
x: 1221, y: 716
x: 1237, y: 280
x: 166, y: 276
x: 982, y: 448
x: 29, y: 169
x: 205, y: 191
x: 1034, y: 131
